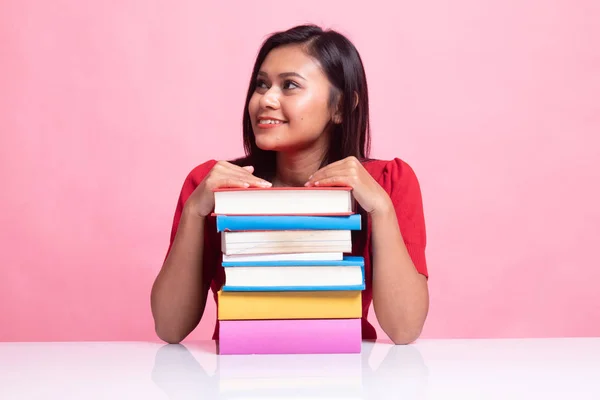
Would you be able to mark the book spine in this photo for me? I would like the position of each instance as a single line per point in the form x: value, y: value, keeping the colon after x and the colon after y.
x: 289, y: 305
x: 316, y: 336
x: 288, y: 222
x: 348, y: 261
x: 291, y: 288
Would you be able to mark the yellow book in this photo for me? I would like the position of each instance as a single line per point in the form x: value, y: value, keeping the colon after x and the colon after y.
x: 289, y: 305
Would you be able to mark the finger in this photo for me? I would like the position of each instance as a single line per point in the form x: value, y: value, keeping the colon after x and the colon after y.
x: 327, y: 167
x: 230, y: 182
x: 240, y: 173
x: 332, y: 171
x: 257, y: 182
x: 233, y: 182
x: 347, y: 162
x: 226, y: 165
x: 243, y: 173
x: 323, y: 172
x: 335, y: 170
x: 351, y: 163
x: 252, y: 180
x: 338, y: 180
x: 261, y: 182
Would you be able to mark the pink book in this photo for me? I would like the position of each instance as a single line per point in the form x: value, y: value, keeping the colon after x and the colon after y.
x: 298, y: 336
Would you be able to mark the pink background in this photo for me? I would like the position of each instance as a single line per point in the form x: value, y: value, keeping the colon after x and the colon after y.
x: 106, y: 106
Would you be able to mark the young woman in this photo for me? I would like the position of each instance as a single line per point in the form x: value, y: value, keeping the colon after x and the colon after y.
x: 305, y: 123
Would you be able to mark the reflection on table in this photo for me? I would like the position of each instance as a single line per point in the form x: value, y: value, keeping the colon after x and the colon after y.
x: 186, y: 371
x: 567, y: 368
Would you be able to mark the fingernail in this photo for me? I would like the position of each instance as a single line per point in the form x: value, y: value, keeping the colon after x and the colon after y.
x: 316, y: 183
x: 310, y: 177
x: 246, y: 184
x: 267, y: 184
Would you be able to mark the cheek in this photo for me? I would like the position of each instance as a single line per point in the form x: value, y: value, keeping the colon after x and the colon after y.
x: 309, y: 111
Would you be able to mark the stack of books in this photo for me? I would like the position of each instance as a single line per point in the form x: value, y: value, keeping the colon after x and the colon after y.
x: 290, y: 287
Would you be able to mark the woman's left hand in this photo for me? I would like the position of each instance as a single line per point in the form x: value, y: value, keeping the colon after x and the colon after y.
x: 350, y: 172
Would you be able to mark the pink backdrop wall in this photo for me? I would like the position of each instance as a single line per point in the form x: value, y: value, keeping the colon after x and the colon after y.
x: 105, y: 107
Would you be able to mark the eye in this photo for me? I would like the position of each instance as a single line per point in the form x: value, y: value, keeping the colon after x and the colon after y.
x: 288, y: 85
x: 261, y: 84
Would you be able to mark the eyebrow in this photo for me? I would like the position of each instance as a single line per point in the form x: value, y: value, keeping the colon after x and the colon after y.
x: 283, y: 74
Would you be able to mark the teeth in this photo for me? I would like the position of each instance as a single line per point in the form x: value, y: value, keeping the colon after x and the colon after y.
x: 269, y: 121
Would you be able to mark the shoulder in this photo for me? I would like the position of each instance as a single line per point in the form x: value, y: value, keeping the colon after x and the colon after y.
x: 392, y: 174
x: 194, y: 178
x: 399, y: 180
x: 199, y: 172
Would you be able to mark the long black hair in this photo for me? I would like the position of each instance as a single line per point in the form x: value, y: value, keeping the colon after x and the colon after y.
x: 341, y: 63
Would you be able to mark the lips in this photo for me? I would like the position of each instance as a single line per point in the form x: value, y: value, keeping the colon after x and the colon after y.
x: 265, y: 122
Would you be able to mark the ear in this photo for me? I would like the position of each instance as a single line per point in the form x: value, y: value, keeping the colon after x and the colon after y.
x: 337, y: 118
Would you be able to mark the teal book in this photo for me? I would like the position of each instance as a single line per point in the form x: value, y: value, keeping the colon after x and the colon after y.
x: 287, y: 222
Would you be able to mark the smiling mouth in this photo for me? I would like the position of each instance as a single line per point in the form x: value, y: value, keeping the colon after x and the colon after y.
x: 269, y: 123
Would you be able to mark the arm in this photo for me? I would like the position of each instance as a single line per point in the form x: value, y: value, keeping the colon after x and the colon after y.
x: 400, y: 293
x: 179, y: 294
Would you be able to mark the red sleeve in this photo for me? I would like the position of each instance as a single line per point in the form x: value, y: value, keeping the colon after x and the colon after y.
x: 194, y: 178
x: 402, y: 185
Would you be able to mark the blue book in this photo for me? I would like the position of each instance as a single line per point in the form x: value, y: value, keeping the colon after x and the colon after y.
x: 287, y: 222
x: 302, y: 275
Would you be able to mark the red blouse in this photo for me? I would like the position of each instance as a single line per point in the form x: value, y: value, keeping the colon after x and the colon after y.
x: 395, y: 176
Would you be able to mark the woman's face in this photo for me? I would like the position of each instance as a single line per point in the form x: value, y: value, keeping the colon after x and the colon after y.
x: 289, y: 109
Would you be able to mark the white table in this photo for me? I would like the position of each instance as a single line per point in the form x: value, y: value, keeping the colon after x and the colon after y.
x: 430, y: 369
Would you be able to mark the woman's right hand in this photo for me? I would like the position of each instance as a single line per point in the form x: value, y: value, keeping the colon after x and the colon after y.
x: 223, y: 174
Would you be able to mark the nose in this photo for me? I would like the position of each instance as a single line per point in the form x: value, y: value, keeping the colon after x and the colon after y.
x: 270, y: 99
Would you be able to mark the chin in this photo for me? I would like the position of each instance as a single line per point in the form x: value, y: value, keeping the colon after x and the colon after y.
x: 268, y: 141
x: 282, y: 141
x: 268, y: 144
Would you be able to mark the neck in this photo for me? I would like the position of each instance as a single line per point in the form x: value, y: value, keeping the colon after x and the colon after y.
x: 294, y: 169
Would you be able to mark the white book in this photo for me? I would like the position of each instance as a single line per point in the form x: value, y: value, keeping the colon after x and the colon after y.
x: 284, y: 201
x: 301, y: 241
x: 297, y: 276
x: 283, y: 257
